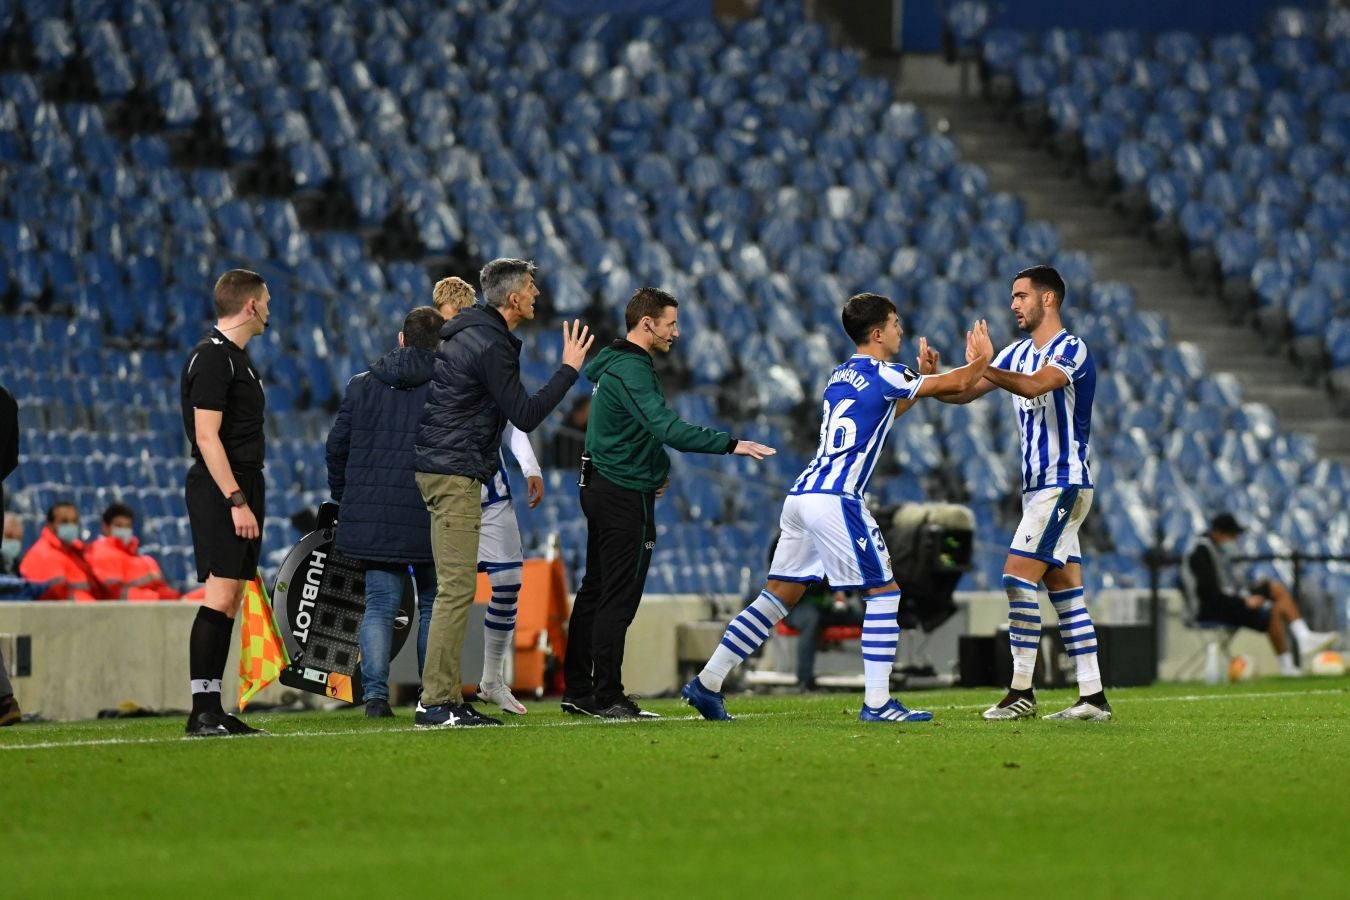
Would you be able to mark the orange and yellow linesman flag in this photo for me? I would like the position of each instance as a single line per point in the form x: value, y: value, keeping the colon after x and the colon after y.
x: 262, y: 652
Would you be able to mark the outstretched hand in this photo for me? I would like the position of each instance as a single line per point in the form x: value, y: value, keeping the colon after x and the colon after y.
x: 753, y: 450
x: 928, y: 358
x: 577, y: 340
x: 979, y: 349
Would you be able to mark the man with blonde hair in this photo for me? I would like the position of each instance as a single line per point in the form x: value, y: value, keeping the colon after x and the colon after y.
x: 451, y: 295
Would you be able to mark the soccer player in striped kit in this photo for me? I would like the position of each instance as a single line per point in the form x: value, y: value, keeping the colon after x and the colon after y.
x: 1053, y: 378
x: 500, y: 554
x: 827, y: 530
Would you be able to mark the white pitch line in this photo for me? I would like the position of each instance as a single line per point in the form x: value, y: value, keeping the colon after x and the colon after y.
x: 114, y: 742
x: 117, y: 742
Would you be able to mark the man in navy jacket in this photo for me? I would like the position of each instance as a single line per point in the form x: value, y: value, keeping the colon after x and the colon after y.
x: 475, y: 391
x: 382, y: 519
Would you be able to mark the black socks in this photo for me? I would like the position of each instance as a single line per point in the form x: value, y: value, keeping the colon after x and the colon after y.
x: 208, y: 647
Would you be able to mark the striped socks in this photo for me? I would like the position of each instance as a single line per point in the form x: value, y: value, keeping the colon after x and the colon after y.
x: 880, y: 637
x: 1024, y: 629
x: 743, y: 636
x: 1080, y: 638
x: 499, y: 623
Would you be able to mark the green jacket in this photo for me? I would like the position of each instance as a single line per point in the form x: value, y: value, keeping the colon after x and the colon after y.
x: 630, y: 422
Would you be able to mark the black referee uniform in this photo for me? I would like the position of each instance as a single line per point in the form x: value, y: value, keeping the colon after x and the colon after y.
x: 220, y: 376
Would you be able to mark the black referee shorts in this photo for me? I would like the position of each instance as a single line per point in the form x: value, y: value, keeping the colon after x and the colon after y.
x: 218, y: 549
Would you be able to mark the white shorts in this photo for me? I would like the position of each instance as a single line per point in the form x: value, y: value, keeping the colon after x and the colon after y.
x: 1051, y: 518
x: 499, y: 538
x: 830, y: 536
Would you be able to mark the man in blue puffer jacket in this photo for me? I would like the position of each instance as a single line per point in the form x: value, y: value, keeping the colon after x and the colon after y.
x: 382, y: 519
x: 474, y: 392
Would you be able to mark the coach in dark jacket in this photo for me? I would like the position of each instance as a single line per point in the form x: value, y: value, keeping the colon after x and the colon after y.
x: 474, y: 392
x: 382, y: 519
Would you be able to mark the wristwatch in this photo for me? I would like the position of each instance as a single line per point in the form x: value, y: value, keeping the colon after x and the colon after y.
x: 237, y: 499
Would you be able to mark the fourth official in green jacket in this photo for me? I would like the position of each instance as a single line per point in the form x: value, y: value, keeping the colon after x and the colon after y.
x: 624, y: 470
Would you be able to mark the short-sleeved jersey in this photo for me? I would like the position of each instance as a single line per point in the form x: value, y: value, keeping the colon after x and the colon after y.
x: 220, y: 376
x: 859, y: 411
x: 1055, y: 426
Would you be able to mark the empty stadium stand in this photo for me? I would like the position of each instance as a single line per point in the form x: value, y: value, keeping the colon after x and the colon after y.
x: 352, y: 154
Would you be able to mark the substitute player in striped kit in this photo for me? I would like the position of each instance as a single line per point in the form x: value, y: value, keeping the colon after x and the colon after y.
x: 1053, y: 378
x: 827, y: 530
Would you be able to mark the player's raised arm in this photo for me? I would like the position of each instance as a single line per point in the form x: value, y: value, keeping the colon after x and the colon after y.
x: 1042, y: 381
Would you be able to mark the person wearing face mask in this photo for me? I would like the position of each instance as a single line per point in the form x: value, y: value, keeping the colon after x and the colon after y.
x: 126, y: 574
x: 1221, y: 597
x: 58, y: 558
x: 11, y: 548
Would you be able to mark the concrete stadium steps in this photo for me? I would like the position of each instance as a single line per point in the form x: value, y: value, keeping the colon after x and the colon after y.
x: 1086, y: 222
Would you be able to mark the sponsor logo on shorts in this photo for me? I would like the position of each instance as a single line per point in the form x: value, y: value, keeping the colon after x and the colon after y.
x: 861, y: 542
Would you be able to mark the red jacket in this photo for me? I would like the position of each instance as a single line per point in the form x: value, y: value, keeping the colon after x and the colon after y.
x: 50, y: 560
x: 125, y: 574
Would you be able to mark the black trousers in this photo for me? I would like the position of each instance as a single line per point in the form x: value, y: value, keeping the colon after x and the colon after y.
x: 621, y: 533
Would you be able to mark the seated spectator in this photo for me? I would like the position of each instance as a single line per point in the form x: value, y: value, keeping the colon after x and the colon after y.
x: 11, y: 548
x: 58, y: 557
x: 1219, y: 596
x: 125, y: 573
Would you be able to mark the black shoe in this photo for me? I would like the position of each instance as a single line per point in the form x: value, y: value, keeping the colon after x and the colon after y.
x: 625, y: 708
x: 378, y: 709
x: 578, y: 706
x: 451, y: 715
x: 235, y: 726
x: 9, y: 710
x: 207, y: 724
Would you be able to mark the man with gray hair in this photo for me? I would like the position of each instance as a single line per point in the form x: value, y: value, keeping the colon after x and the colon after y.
x: 475, y: 391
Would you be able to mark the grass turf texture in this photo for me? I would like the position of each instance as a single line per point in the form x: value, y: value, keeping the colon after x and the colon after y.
x: 1231, y: 790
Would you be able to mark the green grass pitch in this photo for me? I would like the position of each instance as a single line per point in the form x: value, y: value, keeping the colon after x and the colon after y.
x: 1193, y: 791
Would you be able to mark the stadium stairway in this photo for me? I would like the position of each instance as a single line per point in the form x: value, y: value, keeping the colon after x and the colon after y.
x: 1161, y: 284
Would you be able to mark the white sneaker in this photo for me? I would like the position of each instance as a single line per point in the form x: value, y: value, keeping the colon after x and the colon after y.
x: 1083, y: 711
x: 1021, y: 708
x: 1289, y: 670
x: 1316, y: 642
x: 501, y: 695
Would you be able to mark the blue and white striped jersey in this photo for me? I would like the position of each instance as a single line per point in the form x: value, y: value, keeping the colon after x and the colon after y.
x: 859, y: 411
x: 498, y: 488
x: 1055, y: 425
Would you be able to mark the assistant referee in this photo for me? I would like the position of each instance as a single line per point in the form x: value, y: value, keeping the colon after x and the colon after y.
x: 623, y: 472
x: 223, y: 406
